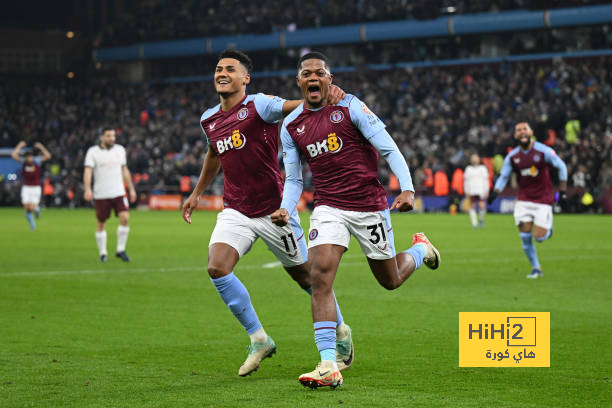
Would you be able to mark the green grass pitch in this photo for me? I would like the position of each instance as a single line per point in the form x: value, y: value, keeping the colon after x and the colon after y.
x: 154, y: 333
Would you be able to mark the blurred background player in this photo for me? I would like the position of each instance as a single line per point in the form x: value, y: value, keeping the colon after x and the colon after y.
x: 340, y: 144
x: 533, y: 212
x: 242, y: 137
x: 476, y: 181
x: 108, y: 164
x: 31, y: 171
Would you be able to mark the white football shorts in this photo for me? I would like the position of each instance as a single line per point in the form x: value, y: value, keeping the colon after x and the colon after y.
x: 373, y: 230
x: 240, y: 232
x: 540, y: 214
x: 30, y: 194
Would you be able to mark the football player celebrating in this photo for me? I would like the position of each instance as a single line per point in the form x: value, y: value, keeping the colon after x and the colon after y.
x: 533, y: 212
x: 341, y: 144
x: 242, y: 136
x: 31, y: 171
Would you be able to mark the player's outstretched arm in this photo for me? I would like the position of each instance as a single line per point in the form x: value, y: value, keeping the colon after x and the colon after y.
x: 385, y: 145
x: 127, y: 178
x: 211, y: 167
x: 45, y: 153
x: 552, y: 158
x: 501, y: 182
x: 292, y: 190
x: 16, y: 150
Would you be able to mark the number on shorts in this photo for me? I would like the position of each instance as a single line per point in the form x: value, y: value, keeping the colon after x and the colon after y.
x: 286, y: 242
x: 376, y: 236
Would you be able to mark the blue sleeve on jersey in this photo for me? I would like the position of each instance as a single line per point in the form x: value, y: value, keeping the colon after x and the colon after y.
x: 383, y: 142
x: 552, y: 158
x: 205, y: 135
x: 504, y: 175
x: 293, y: 173
x: 365, y: 120
x: 269, y: 108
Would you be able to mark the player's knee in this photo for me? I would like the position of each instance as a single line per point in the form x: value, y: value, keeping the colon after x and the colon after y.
x: 216, y: 272
x: 321, y: 277
x: 390, y: 285
x: 540, y: 236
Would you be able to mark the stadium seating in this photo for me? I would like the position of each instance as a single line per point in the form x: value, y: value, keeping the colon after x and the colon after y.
x: 437, y: 116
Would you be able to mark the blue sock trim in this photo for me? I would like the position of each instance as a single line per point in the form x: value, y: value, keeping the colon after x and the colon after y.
x: 529, y: 249
x: 237, y: 299
x: 418, y: 253
x: 328, y: 354
x: 325, y: 336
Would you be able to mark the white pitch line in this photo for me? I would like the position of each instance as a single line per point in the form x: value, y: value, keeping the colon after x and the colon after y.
x: 273, y: 265
x: 98, y: 271
x: 125, y: 270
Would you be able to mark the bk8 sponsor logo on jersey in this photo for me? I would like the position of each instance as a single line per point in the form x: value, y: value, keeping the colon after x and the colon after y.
x: 332, y: 144
x: 530, y: 171
x: 236, y: 141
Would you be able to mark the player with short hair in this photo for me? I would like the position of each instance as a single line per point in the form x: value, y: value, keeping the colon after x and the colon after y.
x: 476, y: 181
x: 242, y: 137
x: 533, y: 212
x: 341, y: 144
x: 107, y: 163
x: 31, y: 171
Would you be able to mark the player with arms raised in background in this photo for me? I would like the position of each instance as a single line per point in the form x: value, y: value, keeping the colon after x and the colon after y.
x: 340, y: 144
x: 533, y: 212
x: 476, y: 181
x: 242, y: 136
x: 107, y: 164
x: 31, y: 171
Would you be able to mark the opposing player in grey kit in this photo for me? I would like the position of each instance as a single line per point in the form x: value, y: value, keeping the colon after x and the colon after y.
x: 242, y: 134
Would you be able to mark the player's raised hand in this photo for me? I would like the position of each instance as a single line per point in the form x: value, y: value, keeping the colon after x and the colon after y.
x: 336, y: 94
x: 280, y: 217
x: 190, y: 204
x: 403, y: 202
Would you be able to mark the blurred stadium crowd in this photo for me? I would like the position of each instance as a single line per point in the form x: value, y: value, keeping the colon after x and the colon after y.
x: 158, y: 20
x: 437, y: 116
